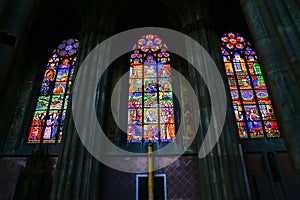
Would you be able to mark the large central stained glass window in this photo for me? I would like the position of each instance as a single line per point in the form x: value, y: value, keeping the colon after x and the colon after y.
x: 253, y: 109
x: 150, y: 103
x: 50, y: 111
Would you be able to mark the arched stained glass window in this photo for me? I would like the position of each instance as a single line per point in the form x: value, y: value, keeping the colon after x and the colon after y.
x: 150, y: 104
x: 49, y: 116
x: 253, y: 109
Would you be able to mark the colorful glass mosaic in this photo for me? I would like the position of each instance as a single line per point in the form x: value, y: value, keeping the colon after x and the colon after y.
x: 252, y: 106
x: 50, y: 111
x: 150, y: 103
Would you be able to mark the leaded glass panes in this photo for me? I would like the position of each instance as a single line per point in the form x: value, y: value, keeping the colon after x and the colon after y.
x: 252, y: 107
x: 48, y: 120
x: 150, y: 103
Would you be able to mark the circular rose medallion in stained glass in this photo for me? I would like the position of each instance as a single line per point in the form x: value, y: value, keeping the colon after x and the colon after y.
x: 233, y: 41
x: 247, y: 95
x: 69, y: 47
x: 150, y: 42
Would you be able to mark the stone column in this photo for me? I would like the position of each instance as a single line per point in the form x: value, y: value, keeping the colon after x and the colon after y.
x: 12, y: 141
x: 221, y: 171
x: 274, y: 26
x: 15, y: 18
x: 78, y: 175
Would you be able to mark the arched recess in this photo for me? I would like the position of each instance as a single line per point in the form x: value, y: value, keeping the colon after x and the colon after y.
x: 253, y: 109
x: 150, y: 104
x: 252, y: 146
x: 51, y: 107
x: 233, y: 21
x: 166, y: 17
x: 51, y: 23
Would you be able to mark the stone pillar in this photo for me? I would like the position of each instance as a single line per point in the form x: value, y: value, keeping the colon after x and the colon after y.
x: 15, y: 18
x: 274, y: 26
x: 78, y: 175
x: 221, y: 172
x: 12, y: 141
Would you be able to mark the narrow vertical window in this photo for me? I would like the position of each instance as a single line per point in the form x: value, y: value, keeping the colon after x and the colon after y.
x: 150, y: 104
x: 50, y: 111
x: 253, y: 109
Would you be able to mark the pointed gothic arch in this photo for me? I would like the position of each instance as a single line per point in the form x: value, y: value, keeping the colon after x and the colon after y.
x: 150, y: 104
x: 50, y: 111
x: 253, y: 109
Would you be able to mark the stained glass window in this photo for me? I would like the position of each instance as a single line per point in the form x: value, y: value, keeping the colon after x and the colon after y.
x: 150, y: 103
x: 50, y: 111
x: 253, y: 109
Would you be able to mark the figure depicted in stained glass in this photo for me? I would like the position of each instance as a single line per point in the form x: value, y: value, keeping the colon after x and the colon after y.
x: 50, y: 75
x: 271, y: 115
x: 62, y: 76
x: 150, y: 85
x: 169, y: 128
x: 151, y: 132
x: 254, y: 118
x: 36, y: 128
x: 239, y: 64
x: 165, y: 84
x: 151, y: 115
x: 59, y: 89
x: 55, y: 123
x: 48, y: 81
x: 272, y: 124
x: 48, y: 129
x: 150, y: 67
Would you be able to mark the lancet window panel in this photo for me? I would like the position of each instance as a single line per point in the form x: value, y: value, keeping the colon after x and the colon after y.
x: 50, y: 110
x: 254, y: 113
x: 150, y: 103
